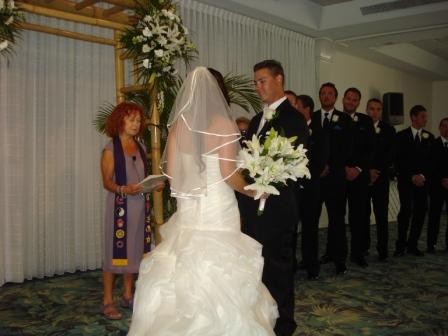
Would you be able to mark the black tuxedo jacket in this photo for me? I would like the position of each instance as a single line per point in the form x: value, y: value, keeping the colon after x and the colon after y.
x: 280, y: 209
x: 411, y: 159
x: 340, y: 136
x: 363, y: 142
x: 318, y: 151
x: 439, y: 161
x: 384, y: 147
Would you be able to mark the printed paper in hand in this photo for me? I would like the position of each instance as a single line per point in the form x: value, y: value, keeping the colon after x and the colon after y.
x: 151, y: 181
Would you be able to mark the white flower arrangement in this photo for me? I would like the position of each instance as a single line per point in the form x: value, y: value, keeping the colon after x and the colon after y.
x: 272, y: 163
x: 158, y: 40
x: 10, y: 17
x: 335, y: 118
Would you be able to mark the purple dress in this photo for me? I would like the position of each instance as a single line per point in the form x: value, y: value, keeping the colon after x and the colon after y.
x: 135, y: 220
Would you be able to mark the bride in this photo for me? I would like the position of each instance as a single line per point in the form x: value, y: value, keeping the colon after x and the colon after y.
x: 204, y: 278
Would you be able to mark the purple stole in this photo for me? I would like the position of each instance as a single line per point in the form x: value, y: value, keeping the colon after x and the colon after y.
x: 119, y: 255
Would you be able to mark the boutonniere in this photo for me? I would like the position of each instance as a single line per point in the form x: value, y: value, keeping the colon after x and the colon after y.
x: 335, y: 118
x: 269, y: 113
x: 425, y: 135
x: 355, y: 118
x: 377, y: 130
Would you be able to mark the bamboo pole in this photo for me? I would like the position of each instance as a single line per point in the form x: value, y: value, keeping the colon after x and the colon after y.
x: 119, y: 68
x: 113, y: 10
x: 85, y: 3
x: 72, y: 17
x: 66, y: 33
x: 155, y: 158
x: 123, y: 3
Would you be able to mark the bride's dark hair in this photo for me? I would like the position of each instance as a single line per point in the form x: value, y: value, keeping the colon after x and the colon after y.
x: 220, y: 79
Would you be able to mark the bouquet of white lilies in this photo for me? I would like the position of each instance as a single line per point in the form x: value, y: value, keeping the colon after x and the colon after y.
x: 271, y: 164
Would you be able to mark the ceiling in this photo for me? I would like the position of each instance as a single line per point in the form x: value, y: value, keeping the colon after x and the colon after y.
x: 410, y: 35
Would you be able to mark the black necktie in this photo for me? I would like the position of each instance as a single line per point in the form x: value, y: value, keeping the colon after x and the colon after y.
x: 417, y: 139
x: 326, y: 121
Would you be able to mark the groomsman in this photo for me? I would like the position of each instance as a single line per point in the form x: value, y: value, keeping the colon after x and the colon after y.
x: 318, y: 155
x: 413, y: 167
x: 274, y: 229
x: 439, y: 187
x: 378, y: 192
x: 357, y: 174
x: 338, y: 127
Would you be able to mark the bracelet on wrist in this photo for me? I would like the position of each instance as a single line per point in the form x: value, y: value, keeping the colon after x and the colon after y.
x: 121, y: 191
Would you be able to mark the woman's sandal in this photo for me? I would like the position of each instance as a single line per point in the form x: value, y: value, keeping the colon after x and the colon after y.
x: 127, y: 303
x: 110, y: 312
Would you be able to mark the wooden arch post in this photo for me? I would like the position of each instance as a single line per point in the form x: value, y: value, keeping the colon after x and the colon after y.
x: 119, y: 68
x: 155, y: 156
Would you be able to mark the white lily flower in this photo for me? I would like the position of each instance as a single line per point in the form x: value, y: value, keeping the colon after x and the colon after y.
x: 3, y: 45
x: 147, y: 64
x: 147, y: 32
x: 146, y: 48
x: 10, y: 20
x: 162, y: 40
x: 158, y: 52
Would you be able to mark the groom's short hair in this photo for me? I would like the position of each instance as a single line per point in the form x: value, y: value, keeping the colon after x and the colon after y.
x: 275, y: 67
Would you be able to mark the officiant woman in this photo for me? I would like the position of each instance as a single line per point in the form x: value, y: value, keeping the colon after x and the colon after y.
x: 127, y: 228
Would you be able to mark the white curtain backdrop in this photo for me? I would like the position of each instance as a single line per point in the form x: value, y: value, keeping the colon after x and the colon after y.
x: 51, y: 196
x: 231, y: 42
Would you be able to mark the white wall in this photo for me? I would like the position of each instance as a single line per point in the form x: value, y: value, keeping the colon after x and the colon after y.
x: 439, y: 107
x: 373, y: 80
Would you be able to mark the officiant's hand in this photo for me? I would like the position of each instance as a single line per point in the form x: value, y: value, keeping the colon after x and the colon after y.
x: 159, y: 186
x: 132, y: 189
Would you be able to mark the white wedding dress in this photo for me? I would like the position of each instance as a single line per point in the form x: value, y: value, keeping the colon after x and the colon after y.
x: 204, y: 279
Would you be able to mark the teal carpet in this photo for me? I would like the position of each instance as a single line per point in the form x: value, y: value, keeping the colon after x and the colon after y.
x: 406, y: 296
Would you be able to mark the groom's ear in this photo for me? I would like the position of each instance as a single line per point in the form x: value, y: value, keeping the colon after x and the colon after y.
x: 279, y: 79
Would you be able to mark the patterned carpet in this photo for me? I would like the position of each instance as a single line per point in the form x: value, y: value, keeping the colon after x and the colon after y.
x: 406, y: 296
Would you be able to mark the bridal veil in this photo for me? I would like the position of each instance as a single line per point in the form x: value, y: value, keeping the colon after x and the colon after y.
x: 200, y: 128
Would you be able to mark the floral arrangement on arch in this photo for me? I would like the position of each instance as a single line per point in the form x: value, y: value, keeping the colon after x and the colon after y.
x: 10, y: 18
x: 157, y: 41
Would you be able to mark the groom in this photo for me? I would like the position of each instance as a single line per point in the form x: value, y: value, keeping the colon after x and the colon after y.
x: 274, y: 229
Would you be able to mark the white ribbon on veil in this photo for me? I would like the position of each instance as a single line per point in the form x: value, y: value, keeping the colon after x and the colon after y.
x: 200, y: 128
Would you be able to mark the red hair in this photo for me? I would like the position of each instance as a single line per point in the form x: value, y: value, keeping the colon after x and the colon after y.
x: 115, y: 122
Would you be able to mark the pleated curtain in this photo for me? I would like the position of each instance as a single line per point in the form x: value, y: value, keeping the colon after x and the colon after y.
x: 51, y: 194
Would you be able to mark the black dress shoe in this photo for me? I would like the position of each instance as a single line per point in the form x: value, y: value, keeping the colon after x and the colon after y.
x: 325, y: 259
x: 301, y: 265
x: 416, y: 252
x: 431, y: 250
x: 341, y: 269
x: 313, y: 277
x: 399, y: 253
x: 360, y: 261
